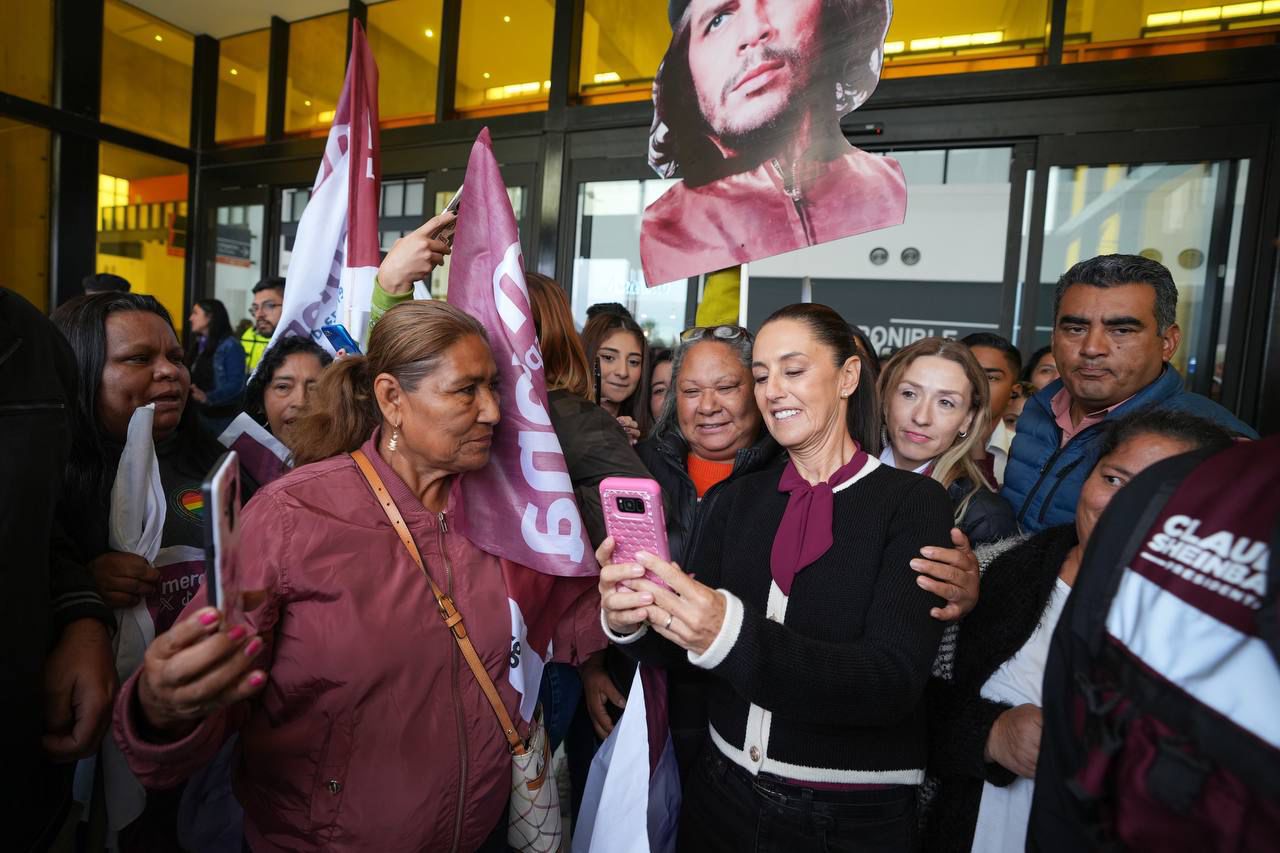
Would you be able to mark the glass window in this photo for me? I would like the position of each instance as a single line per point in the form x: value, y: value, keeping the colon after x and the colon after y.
x: 26, y: 50
x: 24, y: 210
x: 504, y: 56
x: 944, y: 37
x: 146, y: 74
x: 622, y: 46
x: 292, y: 203
x: 607, y: 265
x: 151, y: 257
x: 242, y: 87
x: 1162, y: 211
x: 317, y: 48
x: 238, y: 265
x: 935, y: 274
x: 404, y: 36
x: 440, y: 275
x: 1120, y: 29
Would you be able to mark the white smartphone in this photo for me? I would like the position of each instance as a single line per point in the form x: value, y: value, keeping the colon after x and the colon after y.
x: 221, y: 492
x: 446, y: 233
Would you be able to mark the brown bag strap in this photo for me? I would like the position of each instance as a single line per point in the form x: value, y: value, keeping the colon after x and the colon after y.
x: 448, y: 612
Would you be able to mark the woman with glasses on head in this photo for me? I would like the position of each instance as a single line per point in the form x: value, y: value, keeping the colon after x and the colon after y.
x: 619, y: 357
x: 936, y: 403
x: 803, y: 609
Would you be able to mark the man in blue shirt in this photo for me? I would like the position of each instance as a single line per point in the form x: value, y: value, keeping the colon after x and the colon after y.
x: 1115, y: 331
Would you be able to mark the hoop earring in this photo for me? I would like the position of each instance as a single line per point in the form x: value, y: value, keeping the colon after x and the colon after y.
x: 395, y: 439
x: 963, y: 434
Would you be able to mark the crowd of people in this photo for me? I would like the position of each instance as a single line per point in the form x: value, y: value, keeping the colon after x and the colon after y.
x: 869, y: 553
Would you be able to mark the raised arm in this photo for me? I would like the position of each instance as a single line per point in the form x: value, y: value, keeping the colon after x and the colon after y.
x: 190, y: 694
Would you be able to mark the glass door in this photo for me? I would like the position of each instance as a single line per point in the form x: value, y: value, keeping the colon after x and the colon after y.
x: 440, y: 189
x: 1179, y: 199
x: 236, y: 251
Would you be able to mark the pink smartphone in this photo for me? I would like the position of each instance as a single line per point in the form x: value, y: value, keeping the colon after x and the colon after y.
x: 633, y: 517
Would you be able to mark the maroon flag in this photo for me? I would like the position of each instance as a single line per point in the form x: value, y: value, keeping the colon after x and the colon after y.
x: 336, y: 254
x: 521, y: 506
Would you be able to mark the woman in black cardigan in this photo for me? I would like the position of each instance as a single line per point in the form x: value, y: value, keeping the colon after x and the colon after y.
x: 807, y: 614
x: 984, y: 713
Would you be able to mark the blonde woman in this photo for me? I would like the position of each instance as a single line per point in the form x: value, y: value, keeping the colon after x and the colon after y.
x: 935, y: 398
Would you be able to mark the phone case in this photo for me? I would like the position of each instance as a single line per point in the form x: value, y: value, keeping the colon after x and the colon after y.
x: 221, y: 493
x: 340, y: 339
x: 635, y: 531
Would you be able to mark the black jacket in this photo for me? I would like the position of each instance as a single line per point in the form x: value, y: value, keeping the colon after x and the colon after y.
x: 666, y: 457
x: 988, y: 518
x: 44, y: 589
x: 595, y: 447
x: 1015, y: 591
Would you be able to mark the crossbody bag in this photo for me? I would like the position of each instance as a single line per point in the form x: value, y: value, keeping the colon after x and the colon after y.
x: 533, y: 813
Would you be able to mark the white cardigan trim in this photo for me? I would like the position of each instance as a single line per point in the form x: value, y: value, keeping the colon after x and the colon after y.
x: 621, y: 639
x: 825, y: 775
x: 730, y: 628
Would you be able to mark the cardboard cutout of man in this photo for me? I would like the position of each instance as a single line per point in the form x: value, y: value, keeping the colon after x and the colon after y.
x: 747, y: 109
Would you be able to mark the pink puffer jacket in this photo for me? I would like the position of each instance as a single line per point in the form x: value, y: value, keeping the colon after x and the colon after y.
x: 371, y: 733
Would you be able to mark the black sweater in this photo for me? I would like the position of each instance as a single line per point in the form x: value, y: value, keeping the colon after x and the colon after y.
x: 831, y: 691
x: 1015, y: 591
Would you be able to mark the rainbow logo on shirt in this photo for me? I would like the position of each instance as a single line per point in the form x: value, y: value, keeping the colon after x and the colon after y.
x: 191, y: 503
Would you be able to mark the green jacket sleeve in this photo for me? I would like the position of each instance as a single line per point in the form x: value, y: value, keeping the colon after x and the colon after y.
x: 384, y: 302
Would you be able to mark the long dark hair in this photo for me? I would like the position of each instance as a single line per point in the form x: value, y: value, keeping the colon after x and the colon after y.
x: 200, y: 360
x: 594, y: 334
x: 832, y: 331
x: 273, y: 360
x: 83, y: 322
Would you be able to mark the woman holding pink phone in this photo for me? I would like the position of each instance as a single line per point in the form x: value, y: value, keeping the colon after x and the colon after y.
x: 806, y: 614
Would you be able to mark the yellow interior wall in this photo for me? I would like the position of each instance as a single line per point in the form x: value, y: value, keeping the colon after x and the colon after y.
x: 24, y: 211
x: 156, y: 273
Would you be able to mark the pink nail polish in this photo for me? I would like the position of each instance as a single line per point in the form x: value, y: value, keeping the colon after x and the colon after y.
x: 208, y: 618
x: 237, y: 633
x: 255, y: 646
x: 257, y: 679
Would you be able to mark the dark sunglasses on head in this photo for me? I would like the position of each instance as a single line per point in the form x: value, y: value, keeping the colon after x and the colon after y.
x: 722, y: 333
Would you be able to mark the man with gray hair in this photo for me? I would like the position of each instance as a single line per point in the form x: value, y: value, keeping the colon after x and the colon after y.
x: 747, y: 109
x: 1115, y: 332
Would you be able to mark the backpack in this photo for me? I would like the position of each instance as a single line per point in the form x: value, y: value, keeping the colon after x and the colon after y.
x: 1162, y: 693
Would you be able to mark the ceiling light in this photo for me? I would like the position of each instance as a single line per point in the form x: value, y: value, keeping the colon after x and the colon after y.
x: 159, y: 37
x: 486, y: 75
x: 1163, y: 19
x: 506, y: 19
x: 430, y: 33
x: 306, y: 103
x: 1240, y: 10
x: 895, y: 46
x: 608, y: 77
x: 234, y: 72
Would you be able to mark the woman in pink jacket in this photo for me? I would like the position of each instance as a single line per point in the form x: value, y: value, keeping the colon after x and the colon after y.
x: 361, y: 726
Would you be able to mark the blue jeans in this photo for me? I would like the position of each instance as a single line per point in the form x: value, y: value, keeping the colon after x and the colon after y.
x: 561, y: 689
x: 727, y: 809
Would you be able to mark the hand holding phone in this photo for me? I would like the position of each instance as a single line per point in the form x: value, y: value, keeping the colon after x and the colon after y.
x: 445, y: 234
x: 340, y: 339
x: 633, y: 516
